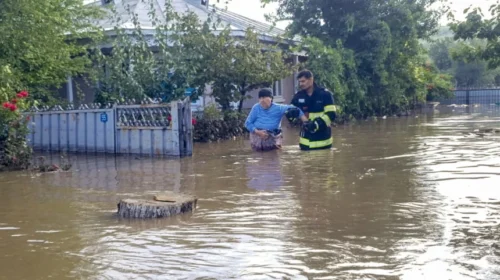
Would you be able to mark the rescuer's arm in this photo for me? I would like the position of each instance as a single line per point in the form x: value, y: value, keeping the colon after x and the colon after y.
x: 293, y: 117
x: 292, y: 113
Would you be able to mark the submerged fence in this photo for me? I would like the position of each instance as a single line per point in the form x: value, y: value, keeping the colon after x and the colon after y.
x: 146, y: 129
x: 474, y: 96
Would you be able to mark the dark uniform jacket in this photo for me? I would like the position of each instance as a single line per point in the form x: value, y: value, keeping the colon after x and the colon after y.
x: 319, y: 108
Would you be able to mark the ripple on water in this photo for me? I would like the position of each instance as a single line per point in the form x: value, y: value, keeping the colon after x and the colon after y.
x: 466, y: 183
x: 408, y: 198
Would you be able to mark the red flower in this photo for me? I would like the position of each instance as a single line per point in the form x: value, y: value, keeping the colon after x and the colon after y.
x: 169, y: 118
x: 28, y: 118
x: 10, y: 106
x: 13, y: 101
x: 22, y: 94
x: 193, y: 121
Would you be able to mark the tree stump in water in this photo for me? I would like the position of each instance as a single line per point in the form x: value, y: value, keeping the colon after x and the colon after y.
x: 164, y: 205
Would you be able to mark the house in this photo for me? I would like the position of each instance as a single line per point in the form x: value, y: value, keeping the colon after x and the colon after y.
x: 283, y: 89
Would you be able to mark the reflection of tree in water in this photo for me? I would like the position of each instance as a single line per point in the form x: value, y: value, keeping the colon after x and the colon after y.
x: 358, y: 201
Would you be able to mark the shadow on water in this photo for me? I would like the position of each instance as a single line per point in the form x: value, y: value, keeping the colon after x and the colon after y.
x: 397, y: 198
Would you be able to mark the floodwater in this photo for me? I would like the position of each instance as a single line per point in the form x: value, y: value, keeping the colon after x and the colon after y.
x: 397, y: 198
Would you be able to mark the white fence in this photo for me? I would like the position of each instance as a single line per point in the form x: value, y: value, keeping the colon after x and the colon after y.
x: 148, y: 129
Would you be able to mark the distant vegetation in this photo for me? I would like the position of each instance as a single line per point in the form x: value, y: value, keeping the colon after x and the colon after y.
x: 446, y: 53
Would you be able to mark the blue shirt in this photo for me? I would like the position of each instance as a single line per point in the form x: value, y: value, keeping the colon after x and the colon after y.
x: 267, y: 119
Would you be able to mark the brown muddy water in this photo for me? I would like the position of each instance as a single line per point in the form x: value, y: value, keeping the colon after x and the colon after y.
x: 397, y: 198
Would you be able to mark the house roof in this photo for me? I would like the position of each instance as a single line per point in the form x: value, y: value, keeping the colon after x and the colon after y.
x: 141, y: 8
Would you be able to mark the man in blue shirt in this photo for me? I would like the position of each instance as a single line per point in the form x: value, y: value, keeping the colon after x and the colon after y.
x: 264, y: 121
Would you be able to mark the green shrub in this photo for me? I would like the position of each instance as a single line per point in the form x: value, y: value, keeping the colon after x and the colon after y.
x: 14, y: 150
x: 216, y: 125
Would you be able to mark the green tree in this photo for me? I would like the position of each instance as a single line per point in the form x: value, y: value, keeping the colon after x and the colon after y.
x: 439, y: 52
x: 477, y: 26
x: 135, y: 68
x: 232, y: 66
x: 335, y: 69
x: 383, y: 37
x: 437, y: 85
x: 43, y: 42
x: 445, y: 53
x: 188, y: 53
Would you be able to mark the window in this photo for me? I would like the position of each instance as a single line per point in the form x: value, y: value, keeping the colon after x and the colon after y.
x: 278, y: 88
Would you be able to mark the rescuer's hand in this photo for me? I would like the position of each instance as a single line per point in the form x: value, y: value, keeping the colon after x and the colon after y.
x: 292, y: 114
x: 311, y: 126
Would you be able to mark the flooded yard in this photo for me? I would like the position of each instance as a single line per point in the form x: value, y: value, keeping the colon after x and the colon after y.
x: 397, y: 198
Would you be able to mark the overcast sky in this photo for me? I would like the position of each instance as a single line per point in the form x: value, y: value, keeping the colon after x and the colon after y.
x: 252, y: 8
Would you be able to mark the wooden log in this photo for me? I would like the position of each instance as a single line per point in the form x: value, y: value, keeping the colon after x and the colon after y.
x: 164, y: 205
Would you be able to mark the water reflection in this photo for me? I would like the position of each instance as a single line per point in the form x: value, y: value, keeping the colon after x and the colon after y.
x: 463, y: 170
x: 36, y: 232
x: 396, y: 198
x: 263, y: 171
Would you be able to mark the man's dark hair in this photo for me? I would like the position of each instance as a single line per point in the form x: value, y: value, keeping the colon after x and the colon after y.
x: 305, y: 74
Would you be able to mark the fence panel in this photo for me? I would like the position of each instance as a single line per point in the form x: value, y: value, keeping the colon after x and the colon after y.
x: 147, y: 129
x: 73, y: 130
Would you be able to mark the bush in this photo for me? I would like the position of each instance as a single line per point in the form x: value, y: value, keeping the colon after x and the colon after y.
x: 14, y: 150
x: 215, y: 125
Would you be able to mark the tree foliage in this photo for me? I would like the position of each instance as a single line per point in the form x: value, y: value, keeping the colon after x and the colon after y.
x: 140, y: 64
x: 477, y: 25
x: 440, y: 53
x: 185, y: 52
x: 42, y: 42
x: 382, y: 37
x: 335, y: 69
x: 466, y: 72
x: 233, y: 66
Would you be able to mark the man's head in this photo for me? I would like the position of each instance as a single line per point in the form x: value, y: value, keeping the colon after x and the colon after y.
x: 265, y: 97
x: 306, y: 79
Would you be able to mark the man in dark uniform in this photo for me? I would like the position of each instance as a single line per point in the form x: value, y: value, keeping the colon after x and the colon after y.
x: 317, y: 104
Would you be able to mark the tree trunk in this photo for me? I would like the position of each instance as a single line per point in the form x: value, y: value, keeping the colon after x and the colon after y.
x: 166, y: 205
x: 242, y: 99
x: 240, y: 106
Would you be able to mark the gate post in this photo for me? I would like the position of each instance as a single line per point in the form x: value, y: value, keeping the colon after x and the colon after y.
x: 176, y: 125
x: 185, y: 127
x: 188, y: 124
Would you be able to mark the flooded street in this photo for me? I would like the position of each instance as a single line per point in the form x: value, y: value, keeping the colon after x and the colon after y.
x: 397, y: 198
